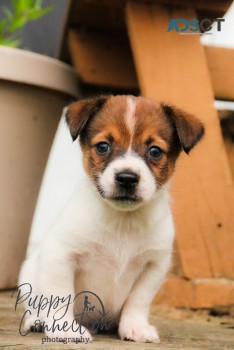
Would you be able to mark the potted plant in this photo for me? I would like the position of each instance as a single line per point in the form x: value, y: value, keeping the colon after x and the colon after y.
x: 33, y: 91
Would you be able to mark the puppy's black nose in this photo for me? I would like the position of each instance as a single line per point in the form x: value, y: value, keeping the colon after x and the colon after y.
x: 126, y: 179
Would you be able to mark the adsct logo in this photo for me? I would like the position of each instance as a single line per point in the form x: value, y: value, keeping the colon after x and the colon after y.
x: 194, y: 26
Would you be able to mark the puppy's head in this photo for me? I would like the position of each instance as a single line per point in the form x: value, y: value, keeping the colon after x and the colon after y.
x: 130, y: 145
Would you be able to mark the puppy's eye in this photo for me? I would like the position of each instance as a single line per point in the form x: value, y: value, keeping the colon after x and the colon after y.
x: 155, y: 152
x: 103, y: 147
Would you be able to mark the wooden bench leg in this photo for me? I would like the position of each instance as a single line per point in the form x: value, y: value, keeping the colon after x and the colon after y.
x: 172, y: 68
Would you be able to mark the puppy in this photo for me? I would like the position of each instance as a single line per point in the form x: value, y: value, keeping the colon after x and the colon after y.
x: 113, y: 241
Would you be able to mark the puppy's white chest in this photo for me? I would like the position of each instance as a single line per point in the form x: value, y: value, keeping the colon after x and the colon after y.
x: 114, y: 262
x: 109, y: 274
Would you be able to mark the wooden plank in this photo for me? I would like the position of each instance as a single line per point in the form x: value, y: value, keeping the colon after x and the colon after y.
x: 99, y: 61
x: 214, y: 5
x: 176, y: 292
x: 90, y: 49
x: 109, y: 15
x: 173, y: 68
x: 196, y: 294
x: 221, y: 66
x: 208, y: 294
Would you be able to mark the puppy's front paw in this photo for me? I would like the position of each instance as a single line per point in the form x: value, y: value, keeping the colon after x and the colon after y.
x: 33, y: 324
x: 138, y: 331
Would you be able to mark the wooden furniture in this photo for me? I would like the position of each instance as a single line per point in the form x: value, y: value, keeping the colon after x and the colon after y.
x: 126, y: 45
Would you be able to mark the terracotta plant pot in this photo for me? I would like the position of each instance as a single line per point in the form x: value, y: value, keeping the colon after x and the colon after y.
x: 33, y: 91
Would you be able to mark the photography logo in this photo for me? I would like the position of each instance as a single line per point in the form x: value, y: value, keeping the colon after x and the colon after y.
x: 195, y: 26
x: 50, y: 314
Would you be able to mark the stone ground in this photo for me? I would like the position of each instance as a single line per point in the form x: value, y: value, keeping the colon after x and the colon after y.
x: 178, y: 329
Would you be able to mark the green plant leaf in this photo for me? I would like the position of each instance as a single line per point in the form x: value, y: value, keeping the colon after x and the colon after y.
x: 10, y: 43
x: 8, y: 13
x: 39, y: 13
x: 3, y: 23
x: 17, y: 23
x: 23, y: 11
x: 38, y: 3
x: 21, y: 6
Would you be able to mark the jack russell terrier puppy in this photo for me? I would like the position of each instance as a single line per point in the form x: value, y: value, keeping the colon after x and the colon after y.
x: 113, y: 242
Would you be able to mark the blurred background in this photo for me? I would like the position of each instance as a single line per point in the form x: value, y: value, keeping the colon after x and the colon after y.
x: 64, y: 167
x: 87, y: 48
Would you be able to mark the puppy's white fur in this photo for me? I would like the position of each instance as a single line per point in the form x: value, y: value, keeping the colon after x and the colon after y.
x: 133, y: 163
x: 122, y: 257
x: 129, y: 116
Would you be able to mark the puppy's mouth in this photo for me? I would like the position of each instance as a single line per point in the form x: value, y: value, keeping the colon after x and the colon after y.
x: 126, y: 199
x: 119, y: 198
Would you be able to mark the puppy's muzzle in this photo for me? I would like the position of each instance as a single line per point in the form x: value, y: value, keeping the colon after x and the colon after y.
x: 126, y: 180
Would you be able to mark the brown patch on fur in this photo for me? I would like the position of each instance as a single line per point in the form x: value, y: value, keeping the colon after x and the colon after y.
x: 79, y: 113
x: 189, y: 129
x: 103, y: 120
x: 108, y: 126
x: 153, y: 129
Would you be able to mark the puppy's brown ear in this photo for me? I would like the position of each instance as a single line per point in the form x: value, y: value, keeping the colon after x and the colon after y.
x: 79, y: 113
x: 189, y: 129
